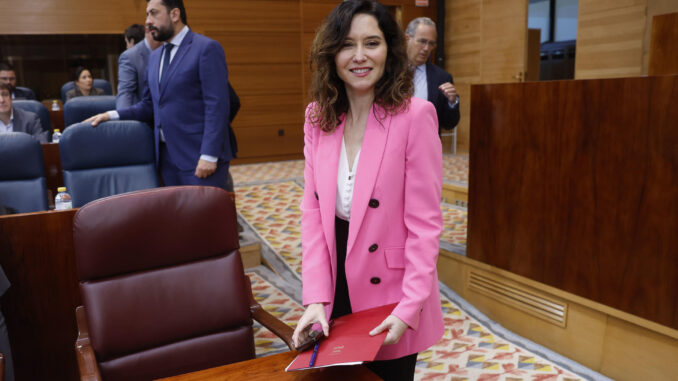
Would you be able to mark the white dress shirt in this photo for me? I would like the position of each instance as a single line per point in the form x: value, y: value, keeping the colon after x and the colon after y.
x: 5, y: 128
x: 345, y: 182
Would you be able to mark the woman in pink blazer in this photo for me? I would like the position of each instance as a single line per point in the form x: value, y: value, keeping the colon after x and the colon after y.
x: 371, y: 218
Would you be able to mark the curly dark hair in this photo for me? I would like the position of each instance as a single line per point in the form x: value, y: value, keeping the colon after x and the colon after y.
x: 393, y: 90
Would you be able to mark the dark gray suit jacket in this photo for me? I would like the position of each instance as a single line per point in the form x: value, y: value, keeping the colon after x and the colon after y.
x: 29, y: 122
x: 20, y: 93
x: 132, y: 75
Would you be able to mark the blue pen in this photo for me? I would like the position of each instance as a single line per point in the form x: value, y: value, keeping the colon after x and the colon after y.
x: 314, y: 355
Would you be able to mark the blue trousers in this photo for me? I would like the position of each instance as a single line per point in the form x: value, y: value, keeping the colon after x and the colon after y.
x: 171, y: 175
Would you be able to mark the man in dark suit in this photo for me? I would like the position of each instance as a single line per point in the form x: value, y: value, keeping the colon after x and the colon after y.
x: 8, y: 76
x: 14, y: 119
x: 132, y: 71
x: 187, y: 96
x: 431, y: 82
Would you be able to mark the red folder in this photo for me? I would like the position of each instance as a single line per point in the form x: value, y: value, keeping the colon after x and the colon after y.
x: 349, y: 342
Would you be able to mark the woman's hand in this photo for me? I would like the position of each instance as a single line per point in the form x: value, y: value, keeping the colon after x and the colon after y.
x: 315, y: 313
x: 395, y: 327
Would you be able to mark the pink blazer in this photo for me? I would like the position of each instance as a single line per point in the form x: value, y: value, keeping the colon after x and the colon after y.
x: 395, y: 224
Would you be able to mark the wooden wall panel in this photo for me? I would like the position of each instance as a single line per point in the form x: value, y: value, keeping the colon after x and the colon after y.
x: 69, y: 16
x: 610, y: 38
x: 244, y: 16
x: 36, y: 254
x: 654, y: 8
x: 664, y: 45
x: 577, y: 187
x: 462, y: 57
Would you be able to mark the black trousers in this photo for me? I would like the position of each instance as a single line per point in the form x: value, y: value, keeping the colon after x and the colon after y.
x: 400, y: 369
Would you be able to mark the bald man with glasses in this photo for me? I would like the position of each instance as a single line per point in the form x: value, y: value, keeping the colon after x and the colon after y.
x: 431, y: 82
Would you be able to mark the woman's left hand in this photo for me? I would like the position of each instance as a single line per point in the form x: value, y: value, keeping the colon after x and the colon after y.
x: 395, y: 327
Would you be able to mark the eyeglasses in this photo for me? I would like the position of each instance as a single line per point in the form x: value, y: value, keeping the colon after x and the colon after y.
x: 423, y: 42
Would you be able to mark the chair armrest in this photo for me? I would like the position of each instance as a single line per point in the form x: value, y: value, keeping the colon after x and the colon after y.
x: 87, y: 362
x: 275, y: 325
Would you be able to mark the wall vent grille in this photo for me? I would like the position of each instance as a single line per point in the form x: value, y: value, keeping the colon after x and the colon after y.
x: 528, y: 301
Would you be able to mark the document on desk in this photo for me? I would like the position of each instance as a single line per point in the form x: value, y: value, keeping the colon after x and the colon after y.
x: 349, y: 342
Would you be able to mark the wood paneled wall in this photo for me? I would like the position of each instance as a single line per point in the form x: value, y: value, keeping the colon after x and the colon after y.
x: 462, y: 57
x: 613, y: 37
x: 575, y: 186
x: 610, y: 38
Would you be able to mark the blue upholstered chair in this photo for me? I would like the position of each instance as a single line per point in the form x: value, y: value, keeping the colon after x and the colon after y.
x: 22, y: 173
x: 26, y: 93
x: 115, y: 157
x: 36, y: 107
x: 97, y: 82
x: 78, y: 109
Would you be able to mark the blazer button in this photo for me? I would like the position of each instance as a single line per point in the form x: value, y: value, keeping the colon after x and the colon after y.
x: 374, y: 203
x: 316, y: 195
x: 373, y: 248
x: 375, y: 280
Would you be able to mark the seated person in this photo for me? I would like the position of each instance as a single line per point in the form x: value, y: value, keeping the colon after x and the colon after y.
x: 8, y: 76
x: 84, y: 84
x: 13, y: 119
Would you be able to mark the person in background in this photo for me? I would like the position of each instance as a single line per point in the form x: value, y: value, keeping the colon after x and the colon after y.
x: 8, y: 76
x: 132, y: 70
x: 84, y: 84
x: 431, y: 82
x: 187, y: 98
x: 371, y: 218
x: 133, y: 35
x: 14, y: 119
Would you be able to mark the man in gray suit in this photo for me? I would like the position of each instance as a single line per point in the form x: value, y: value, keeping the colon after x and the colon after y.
x: 132, y: 72
x: 18, y: 120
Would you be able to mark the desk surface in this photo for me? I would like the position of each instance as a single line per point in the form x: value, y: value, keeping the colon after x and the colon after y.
x: 273, y: 368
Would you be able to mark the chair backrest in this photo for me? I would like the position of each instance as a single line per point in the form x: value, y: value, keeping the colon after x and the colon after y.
x: 78, y: 109
x: 36, y: 107
x: 113, y: 158
x: 27, y: 93
x: 162, y: 282
x: 22, y: 173
x: 97, y: 82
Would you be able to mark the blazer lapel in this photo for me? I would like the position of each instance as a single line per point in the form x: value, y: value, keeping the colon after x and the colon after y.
x: 326, y: 169
x: 371, y: 154
x: 176, y: 61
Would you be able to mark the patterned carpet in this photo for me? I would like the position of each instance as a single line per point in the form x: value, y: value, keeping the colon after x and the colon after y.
x: 268, y: 201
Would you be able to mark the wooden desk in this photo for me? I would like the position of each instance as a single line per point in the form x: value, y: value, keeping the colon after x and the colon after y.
x: 273, y: 368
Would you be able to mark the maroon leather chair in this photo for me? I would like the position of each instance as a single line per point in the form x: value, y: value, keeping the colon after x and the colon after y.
x: 163, y: 285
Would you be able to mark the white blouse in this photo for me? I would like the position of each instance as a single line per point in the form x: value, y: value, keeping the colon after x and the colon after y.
x: 345, y: 182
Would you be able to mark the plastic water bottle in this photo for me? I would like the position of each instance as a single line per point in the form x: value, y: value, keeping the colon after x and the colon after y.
x: 62, y: 200
x: 55, y: 105
x: 56, y: 136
